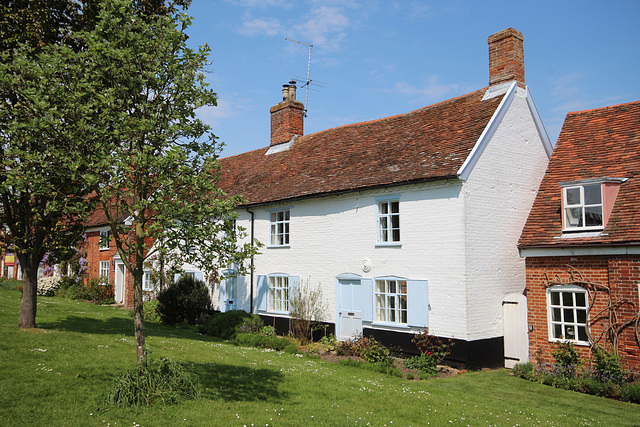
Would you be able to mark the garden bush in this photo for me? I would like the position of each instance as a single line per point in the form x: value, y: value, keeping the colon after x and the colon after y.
x: 567, y: 359
x: 161, y: 382
x: 435, y: 347
x: 226, y: 325
x: 367, y: 348
x: 150, y: 310
x: 10, y: 284
x: 606, y: 365
x: 185, y: 301
x: 47, y: 286
x: 96, y: 290
x: 261, y: 341
x: 425, y: 363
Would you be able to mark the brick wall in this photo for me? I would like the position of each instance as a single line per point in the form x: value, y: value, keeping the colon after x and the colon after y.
x: 620, y: 272
x: 287, y: 121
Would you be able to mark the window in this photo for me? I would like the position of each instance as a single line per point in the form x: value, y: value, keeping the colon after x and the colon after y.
x: 278, y: 300
x: 567, y: 308
x: 104, y: 239
x: 104, y: 269
x: 391, y: 301
x: 280, y: 228
x: 583, y: 207
x: 146, y: 281
x: 388, y: 221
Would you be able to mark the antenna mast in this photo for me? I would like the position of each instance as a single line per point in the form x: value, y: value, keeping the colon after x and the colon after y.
x: 308, y: 82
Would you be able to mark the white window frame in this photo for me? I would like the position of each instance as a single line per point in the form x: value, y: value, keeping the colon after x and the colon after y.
x: 390, y: 300
x: 107, y: 243
x: 565, y: 314
x: 387, y: 221
x: 279, y: 228
x: 146, y: 281
x: 104, y: 269
x: 278, y: 293
x: 582, y: 206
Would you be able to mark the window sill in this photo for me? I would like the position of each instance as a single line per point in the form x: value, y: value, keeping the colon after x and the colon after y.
x: 278, y: 246
x: 574, y: 342
x: 104, y: 249
x: 388, y: 244
x: 583, y: 230
x: 391, y: 325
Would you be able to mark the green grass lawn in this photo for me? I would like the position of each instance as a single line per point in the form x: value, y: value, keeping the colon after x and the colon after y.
x: 60, y: 373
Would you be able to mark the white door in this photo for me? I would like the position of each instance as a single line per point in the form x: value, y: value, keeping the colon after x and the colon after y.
x: 516, y: 334
x: 350, y: 310
x: 118, y: 291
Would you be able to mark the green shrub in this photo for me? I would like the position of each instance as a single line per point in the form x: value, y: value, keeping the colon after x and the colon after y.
x: 425, y: 363
x: 630, y: 393
x: 410, y: 375
x: 267, y: 331
x: 368, y: 348
x: 291, y: 348
x: 226, y: 325
x: 524, y: 370
x: 567, y: 359
x: 48, y: 285
x: 10, y: 284
x: 436, y: 347
x: 606, y: 365
x: 262, y: 341
x: 185, y: 301
x: 96, y: 290
x: 150, y: 309
x: 161, y: 382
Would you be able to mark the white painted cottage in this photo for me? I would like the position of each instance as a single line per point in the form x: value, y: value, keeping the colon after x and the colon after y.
x: 406, y: 222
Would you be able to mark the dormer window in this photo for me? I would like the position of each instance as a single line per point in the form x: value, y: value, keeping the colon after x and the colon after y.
x: 583, y: 207
x: 587, y: 204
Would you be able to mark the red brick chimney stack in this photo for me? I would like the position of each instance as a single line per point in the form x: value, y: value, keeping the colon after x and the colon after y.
x: 506, y: 57
x: 287, y: 117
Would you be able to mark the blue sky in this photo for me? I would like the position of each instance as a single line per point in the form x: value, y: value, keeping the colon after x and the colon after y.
x: 380, y: 58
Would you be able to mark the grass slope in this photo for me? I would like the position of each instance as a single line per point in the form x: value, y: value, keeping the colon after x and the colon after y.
x: 60, y: 373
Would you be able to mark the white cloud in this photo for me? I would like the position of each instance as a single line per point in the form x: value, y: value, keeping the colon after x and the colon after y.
x: 324, y: 27
x: 258, y: 26
x: 213, y: 115
x: 261, y: 3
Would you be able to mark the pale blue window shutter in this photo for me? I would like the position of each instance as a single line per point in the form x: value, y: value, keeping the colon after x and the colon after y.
x: 262, y: 291
x: 418, y: 303
x: 367, y: 300
x: 176, y: 277
x: 198, y: 275
x: 223, y: 288
x: 294, y: 285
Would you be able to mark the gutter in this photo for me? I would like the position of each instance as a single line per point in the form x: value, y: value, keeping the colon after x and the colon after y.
x: 252, y: 257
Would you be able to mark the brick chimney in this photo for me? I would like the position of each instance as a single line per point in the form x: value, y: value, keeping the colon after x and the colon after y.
x: 287, y: 117
x: 506, y: 57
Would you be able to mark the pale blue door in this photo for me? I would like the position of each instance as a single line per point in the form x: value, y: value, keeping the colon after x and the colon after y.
x: 350, y: 309
x: 230, y: 293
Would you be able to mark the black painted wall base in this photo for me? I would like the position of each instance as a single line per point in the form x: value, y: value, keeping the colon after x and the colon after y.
x: 478, y: 354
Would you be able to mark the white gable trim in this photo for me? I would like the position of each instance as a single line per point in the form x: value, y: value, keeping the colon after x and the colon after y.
x: 487, y: 133
x: 542, y: 131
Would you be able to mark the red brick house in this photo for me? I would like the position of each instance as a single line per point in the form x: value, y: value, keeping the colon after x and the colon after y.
x: 582, y: 238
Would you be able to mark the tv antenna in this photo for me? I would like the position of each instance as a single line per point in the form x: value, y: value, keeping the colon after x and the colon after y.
x: 307, y: 83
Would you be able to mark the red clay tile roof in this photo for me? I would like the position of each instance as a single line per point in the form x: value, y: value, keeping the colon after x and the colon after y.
x: 425, y: 144
x: 592, y: 144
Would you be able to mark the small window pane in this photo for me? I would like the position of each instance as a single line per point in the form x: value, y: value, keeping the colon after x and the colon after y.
x: 581, y: 299
x: 582, y: 334
x: 568, y: 315
x: 571, y: 332
x: 592, y: 195
x: 574, y: 217
x: 567, y: 299
x: 582, y: 316
x: 557, y: 331
x: 593, y: 216
x: 556, y: 315
x: 384, y: 208
x: 573, y: 196
x: 555, y: 298
x: 395, y: 207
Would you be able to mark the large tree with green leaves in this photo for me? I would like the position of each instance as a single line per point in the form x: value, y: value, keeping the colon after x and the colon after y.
x: 49, y: 122
x: 163, y: 167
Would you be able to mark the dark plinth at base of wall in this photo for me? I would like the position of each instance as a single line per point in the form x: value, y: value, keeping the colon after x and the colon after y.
x: 281, y: 325
x: 478, y: 354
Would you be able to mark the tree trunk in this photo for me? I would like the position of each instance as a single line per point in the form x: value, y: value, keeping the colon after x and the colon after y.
x: 138, y: 316
x: 29, y: 304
